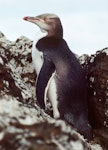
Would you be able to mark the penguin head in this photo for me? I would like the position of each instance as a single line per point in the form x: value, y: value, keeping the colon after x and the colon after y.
x: 49, y: 23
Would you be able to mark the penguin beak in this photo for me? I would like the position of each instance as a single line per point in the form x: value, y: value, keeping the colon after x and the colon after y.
x: 31, y: 19
x: 40, y: 22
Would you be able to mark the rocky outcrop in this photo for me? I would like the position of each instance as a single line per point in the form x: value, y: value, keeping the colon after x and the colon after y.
x: 23, y: 125
x: 97, y: 74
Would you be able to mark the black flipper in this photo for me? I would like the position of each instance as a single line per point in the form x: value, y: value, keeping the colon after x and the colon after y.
x: 45, y: 74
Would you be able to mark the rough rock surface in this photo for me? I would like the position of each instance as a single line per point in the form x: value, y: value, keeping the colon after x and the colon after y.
x: 97, y: 74
x: 23, y: 125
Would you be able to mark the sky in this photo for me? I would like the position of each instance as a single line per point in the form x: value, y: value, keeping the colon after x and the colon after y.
x: 85, y: 22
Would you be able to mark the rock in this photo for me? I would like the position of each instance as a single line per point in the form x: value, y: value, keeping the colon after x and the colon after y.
x: 32, y: 129
x: 16, y: 69
x: 97, y: 74
x: 23, y: 125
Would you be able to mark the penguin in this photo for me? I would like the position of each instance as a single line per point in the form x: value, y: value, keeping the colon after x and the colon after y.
x: 60, y: 77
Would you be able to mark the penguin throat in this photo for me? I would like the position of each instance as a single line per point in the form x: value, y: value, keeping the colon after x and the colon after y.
x: 39, y: 36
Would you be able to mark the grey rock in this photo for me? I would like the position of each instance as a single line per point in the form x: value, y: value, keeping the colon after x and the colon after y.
x: 96, y: 67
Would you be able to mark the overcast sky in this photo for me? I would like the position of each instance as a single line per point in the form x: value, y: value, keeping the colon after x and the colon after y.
x: 85, y: 22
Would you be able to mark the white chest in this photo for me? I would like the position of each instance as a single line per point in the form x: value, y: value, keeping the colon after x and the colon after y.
x: 37, y: 56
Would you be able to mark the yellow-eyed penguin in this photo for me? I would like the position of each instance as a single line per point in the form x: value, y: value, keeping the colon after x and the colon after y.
x: 60, y: 77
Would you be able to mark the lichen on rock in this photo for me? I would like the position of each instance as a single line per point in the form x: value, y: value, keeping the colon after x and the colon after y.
x: 96, y: 68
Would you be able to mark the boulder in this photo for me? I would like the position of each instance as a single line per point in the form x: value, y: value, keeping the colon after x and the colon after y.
x: 96, y: 67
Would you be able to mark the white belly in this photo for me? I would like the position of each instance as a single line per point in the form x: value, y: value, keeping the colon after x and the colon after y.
x: 51, y: 94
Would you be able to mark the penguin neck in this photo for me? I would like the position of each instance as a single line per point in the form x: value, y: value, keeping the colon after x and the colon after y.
x: 39, y: 36
x: 55, y: 35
